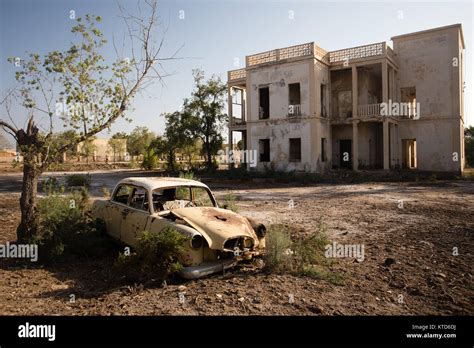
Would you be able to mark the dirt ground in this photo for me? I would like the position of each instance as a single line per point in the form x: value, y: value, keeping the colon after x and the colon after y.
x: 409, y: 266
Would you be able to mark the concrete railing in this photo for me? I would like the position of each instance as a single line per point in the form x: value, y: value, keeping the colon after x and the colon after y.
x: 294, y: 110
x: 368, y: 110
x: 236, y: 74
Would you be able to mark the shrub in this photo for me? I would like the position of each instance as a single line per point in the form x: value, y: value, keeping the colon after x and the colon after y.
x: 150, y: 160
x: 304, y: 256
x: 51, y: 185
x: 105, y: 191
x: 278, y: 249
x: 78, y: 180
x: 66, y: 227
x: 156, y: 255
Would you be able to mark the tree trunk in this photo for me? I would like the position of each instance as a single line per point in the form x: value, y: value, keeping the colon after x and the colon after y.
x: 208, y: 153
x: 29, y: 218
x: 171, y: 160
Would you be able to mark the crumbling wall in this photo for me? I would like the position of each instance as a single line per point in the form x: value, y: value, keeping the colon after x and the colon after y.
x: 277, y: 77
x: 427, y: 62
x: 280, y: 128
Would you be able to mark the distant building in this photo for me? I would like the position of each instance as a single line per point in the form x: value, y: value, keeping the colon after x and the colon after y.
x: 103, y: 150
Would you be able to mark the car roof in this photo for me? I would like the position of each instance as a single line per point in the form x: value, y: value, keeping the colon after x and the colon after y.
x: 152, y: 183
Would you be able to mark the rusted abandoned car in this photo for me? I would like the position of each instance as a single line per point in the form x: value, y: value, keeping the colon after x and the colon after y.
x: 218, y: 238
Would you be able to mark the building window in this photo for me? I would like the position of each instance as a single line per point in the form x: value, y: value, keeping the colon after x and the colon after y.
x: 323, y: 150
x: 323, y: 92
x: 264, y: 150
x: 237, y: 103
x: 408, y: 99
x: 294, y: 99
x: 295, y: 150
x: 264, y: 96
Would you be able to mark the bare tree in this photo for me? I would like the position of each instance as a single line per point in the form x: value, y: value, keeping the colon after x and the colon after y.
x: 77, y: 88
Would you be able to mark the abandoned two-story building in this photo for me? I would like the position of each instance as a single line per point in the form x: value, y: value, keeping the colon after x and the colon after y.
x: 369, y: 107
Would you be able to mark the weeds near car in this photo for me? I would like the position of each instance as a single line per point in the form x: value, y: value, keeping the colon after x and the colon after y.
x: 157, y: 255
x: 66, y: 227
x: 105, y: 192
x: 304, y: 256
x: 51, y: 185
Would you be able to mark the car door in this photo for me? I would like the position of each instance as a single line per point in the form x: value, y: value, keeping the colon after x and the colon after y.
x: 135, y: 216
x: 118, y: 206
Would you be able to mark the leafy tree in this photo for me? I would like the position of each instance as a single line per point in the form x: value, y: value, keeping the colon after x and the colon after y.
x: 469, y: 145
x: 88, y: 148
x: 150, y: 159
x: 92, y: 96
x: 206, y: 106
x: 178, y: 135
x: 61, y: 139
x: 139, y: 140
x: 192, y: 151
x: 117, y: 143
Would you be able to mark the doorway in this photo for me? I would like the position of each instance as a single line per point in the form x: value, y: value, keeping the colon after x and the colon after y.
x: 345, y: 153
x: 409, y: 153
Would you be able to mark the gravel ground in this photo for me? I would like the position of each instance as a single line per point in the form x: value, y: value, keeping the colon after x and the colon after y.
x: 409, y: 232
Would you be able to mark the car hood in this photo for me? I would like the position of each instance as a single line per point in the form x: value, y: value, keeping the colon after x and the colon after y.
x: 216, y: 225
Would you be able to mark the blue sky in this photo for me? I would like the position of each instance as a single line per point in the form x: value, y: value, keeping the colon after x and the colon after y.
x: 214, y: 33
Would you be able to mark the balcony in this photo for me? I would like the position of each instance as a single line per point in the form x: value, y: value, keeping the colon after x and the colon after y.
x: 310, y: 49
x: 236, y: 75
x: 369, y: 110
x: 403, y: 110
x: 376, y: 50
x: 236, y: 121
x: 294, y: 110
x: 293, y: 52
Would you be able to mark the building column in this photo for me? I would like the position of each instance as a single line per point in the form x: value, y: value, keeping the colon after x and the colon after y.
x: 355, y: 92
x: 355, y: 145
x: 386, y: 146
x: 230, y: 147
x: 229, y: 112
x: 392, y: 84
x: 229, y: 104
x: 244, y: 111
x: 384, y: 82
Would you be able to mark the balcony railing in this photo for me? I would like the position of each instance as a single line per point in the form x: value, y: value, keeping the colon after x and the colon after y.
x: 236, y: 121
x: 404, y: 110
x: 367, y: 51
x: 310, y: 49
x: 304, y: 50
x: 294, y: 110
x: 238, y: 74
x: 369, y: 110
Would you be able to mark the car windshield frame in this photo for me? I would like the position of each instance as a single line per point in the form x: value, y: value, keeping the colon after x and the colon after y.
x: 189, y: 187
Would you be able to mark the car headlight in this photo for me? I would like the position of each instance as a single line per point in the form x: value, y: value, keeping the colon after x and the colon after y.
x: 248, y: 243
x: 197, y: 241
